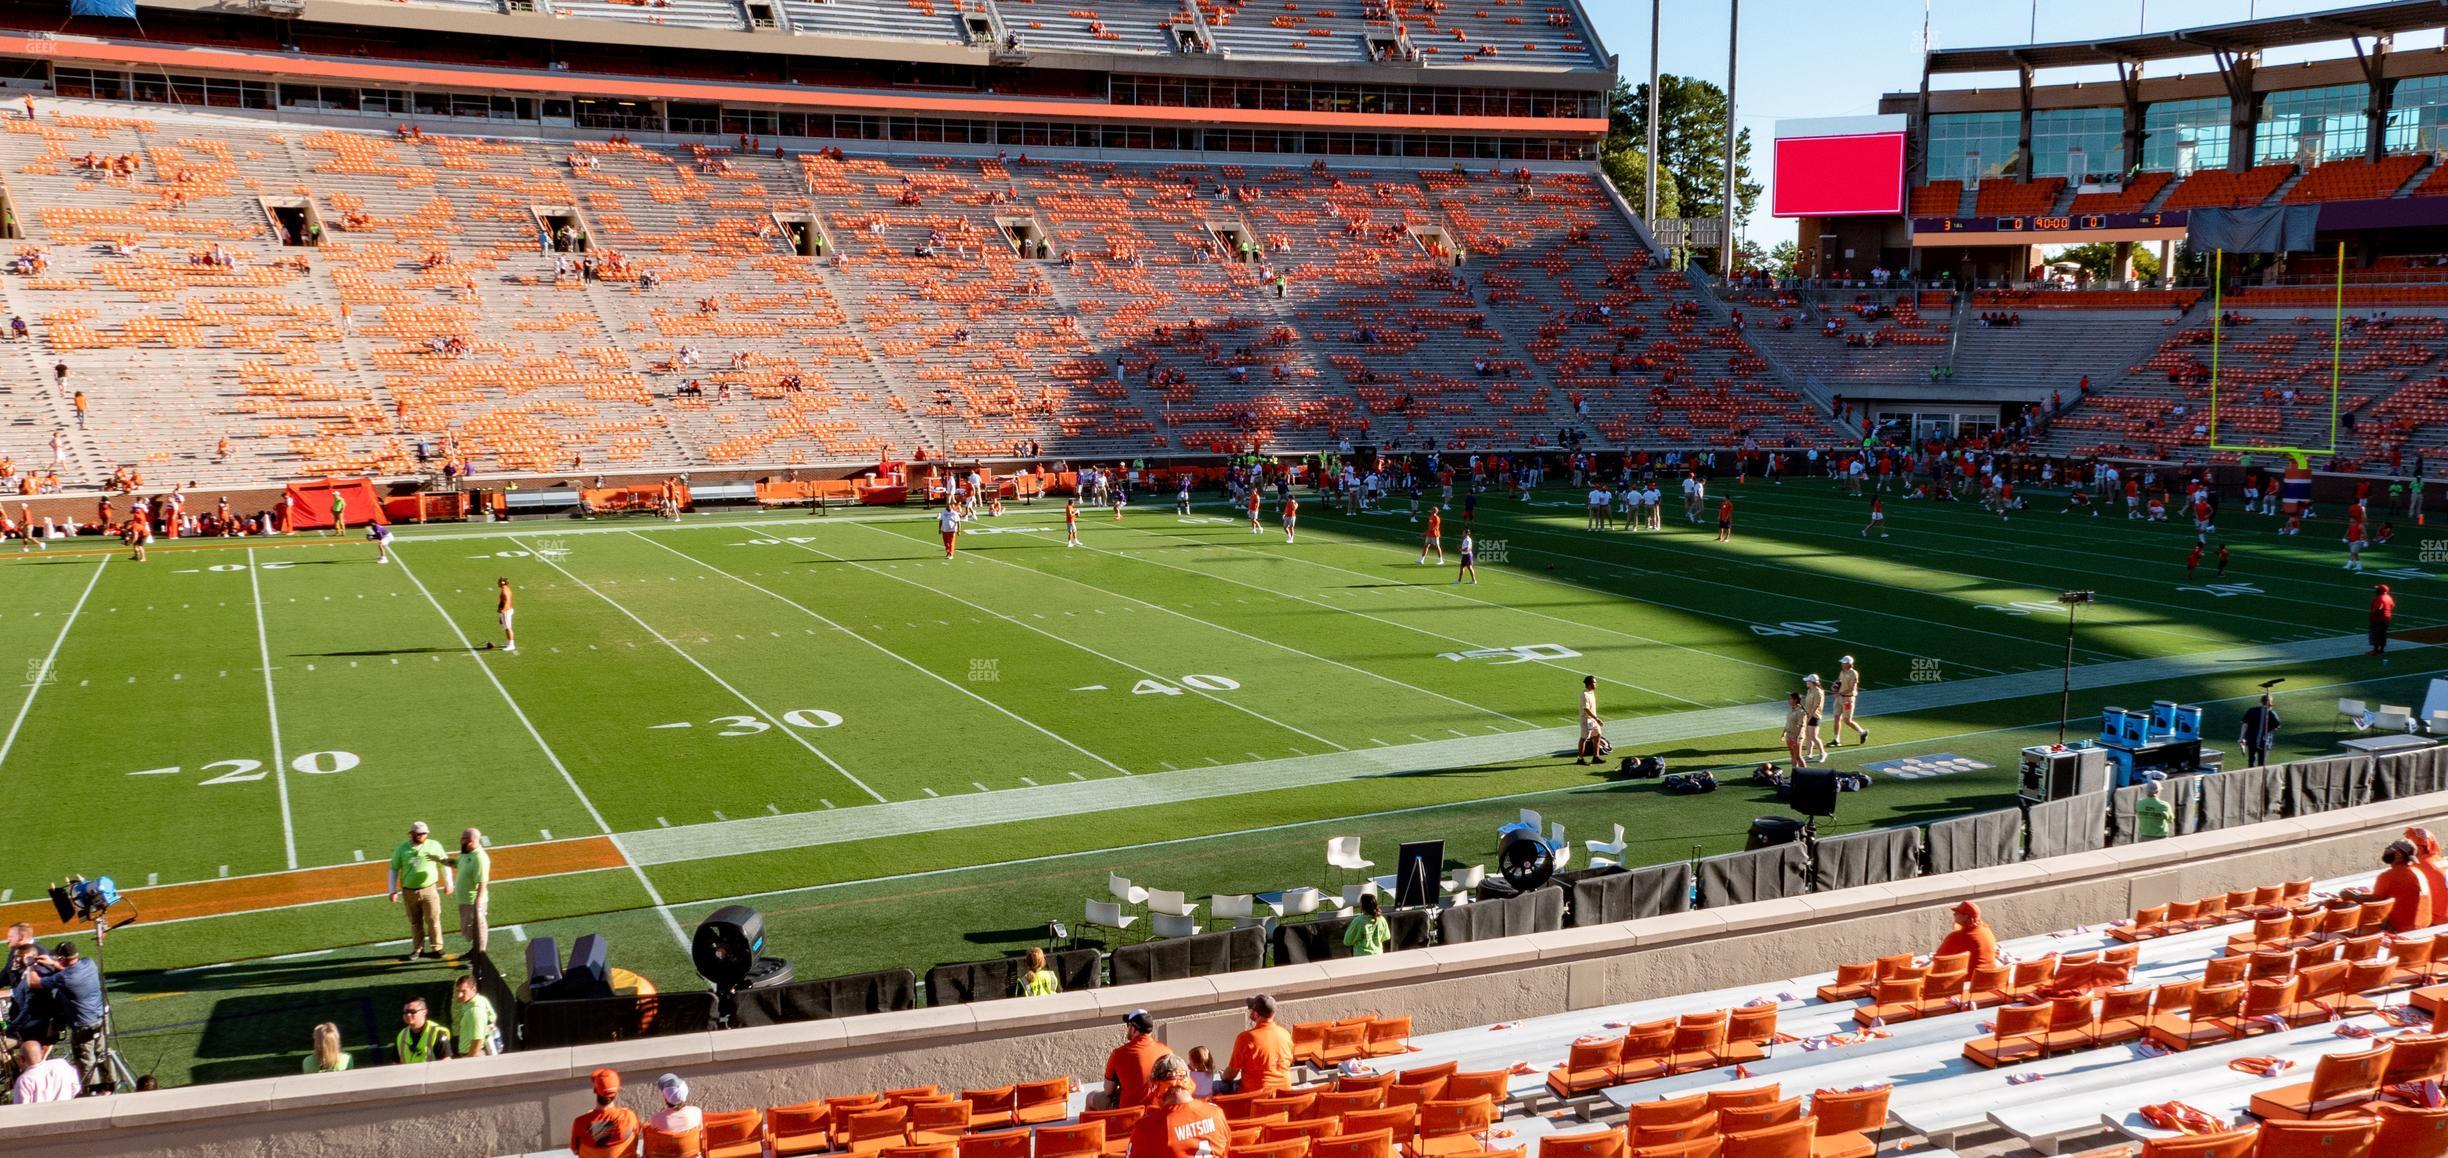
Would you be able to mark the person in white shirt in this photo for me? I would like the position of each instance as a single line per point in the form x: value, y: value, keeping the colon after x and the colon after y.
x: 41, y: 1080
x: 1695, y: 493
x: 1597, y: 510
x: 677, y: 1114
x: 1651, y: 499
x: 948, y: 521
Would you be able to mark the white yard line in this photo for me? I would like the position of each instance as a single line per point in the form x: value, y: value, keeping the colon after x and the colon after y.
x: 753, y: 706
x: 913, y: 664
x: 42, y: 675
x: 280, y: 757
x: 1261, y: 639
x: 1017, y: 621
x: 1352, y: 536
x: 1923, y: 743
x: 400, y: 557
x: 2038, y: 561
x: 2052, y: 532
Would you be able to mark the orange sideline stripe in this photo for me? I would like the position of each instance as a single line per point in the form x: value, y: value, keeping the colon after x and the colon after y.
x: 121, y: 54
x: 222, y: 898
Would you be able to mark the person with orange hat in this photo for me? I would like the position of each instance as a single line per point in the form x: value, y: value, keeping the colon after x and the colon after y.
x: 608, y: 1130
x: 1176, y: 1124
x: 1971, y: 936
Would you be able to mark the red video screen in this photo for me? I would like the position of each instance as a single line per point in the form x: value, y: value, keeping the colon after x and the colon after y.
x: 1839, y: 176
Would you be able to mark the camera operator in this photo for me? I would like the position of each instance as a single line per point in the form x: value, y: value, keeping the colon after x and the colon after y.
x: 75, y: 986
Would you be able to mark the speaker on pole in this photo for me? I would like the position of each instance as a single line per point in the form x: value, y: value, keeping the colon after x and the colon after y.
x: 1814, y: 791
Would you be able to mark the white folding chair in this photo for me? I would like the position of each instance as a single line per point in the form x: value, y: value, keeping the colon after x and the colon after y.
x: 1343, y: 852
x: 1613, y: 850
x: 2351, y: 710
x: 1124, y: 891
x: 1532, y: 819
x: 2398, y: 716
x: 1170, y: 925
x: 1166, y: 902
x: 1465, y: 885
x: 1109, y: 915
x: 1239, y: 908
x: 1298, y: 902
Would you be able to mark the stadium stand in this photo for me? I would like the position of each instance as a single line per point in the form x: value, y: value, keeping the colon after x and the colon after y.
x: 2133, y: 198
x: 2222, y: 189
x: 1112, y: 26
x: 2275, y: 375
x: 353, y: 354
x: 1937, y: 199
x: 1910, y: 343
x: 2018, y: 198
x: 2355, y: 179
x: 876, y: 19
x: 2055, y: 349
x: 727, y: 15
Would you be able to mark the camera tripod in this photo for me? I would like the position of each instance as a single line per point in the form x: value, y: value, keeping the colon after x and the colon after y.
x: 115, y: 1074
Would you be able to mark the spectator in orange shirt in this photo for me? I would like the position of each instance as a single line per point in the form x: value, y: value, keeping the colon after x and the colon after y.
x: 1177, y: 1125
x: 1128, y: 1068
x: 1262, y: 1054
x: 607, y: 1130
x: 1971, y: 935
x: 2400, y: 889
x: 2427, y: 862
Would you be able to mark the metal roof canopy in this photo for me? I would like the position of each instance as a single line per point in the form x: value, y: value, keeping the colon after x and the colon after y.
x: 2238, y: 38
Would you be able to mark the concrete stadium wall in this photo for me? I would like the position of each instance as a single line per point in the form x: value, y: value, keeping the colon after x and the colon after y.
x: 524, y: 1101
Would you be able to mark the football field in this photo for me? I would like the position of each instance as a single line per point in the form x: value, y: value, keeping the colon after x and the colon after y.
x: 906, y: 760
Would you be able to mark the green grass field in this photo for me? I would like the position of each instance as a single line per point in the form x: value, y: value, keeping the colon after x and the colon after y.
x: 906, y: 761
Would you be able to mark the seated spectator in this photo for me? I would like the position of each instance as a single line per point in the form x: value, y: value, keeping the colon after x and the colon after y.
x: 608, y: 1130
x: 677, y: 1114
x: 1971, y: 935
x: 44, y: 1079
x: 1131, y: 1066
x: 1262, y: 1054
x: 1177, y: 1125
x: 2400, y: 888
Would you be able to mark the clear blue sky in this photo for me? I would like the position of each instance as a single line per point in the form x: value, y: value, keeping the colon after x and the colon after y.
x: 1875, y: 48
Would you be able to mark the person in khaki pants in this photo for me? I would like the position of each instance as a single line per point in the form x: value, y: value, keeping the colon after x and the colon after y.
x: 420, y: 874
x: 473, y: 867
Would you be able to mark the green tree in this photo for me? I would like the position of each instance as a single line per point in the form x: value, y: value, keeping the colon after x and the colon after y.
x: 2099, y: 260
x: 1783, y: 257
x: 1628, y: 167
x: 1691, y: 145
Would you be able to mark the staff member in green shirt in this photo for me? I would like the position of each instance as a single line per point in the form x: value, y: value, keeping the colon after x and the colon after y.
x: 422, y: 1040
x: 1368, y: 933
x: 2153, y: 818
x: 420, y: 874
x: 474, y: 869
x: 474, y: 1025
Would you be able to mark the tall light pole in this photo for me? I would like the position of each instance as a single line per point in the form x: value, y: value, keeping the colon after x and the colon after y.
x: 1649, y: 205
x: 1725, y: 247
